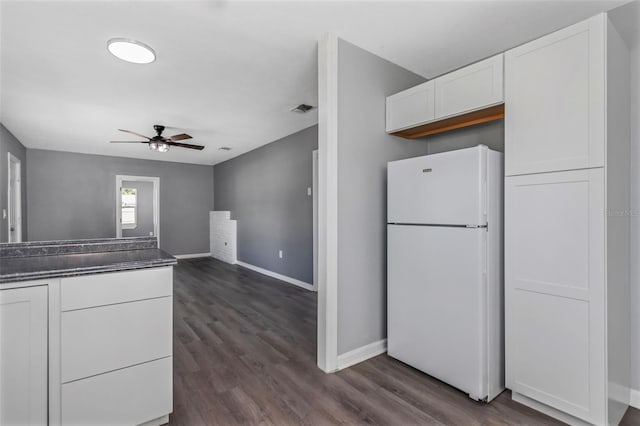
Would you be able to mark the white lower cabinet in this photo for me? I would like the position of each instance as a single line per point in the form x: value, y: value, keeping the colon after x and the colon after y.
x: 111, y: 337
x: 23, y: 356
x: 115, y: 348
x: 126, y: 397
x: 555, y: 282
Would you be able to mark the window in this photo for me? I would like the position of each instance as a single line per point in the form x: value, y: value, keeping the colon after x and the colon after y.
x: 129, y: 207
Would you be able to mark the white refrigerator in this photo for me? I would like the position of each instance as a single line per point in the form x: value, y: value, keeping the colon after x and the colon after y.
x: 445, y: 292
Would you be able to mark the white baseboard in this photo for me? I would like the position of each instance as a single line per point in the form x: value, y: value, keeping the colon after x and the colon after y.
x: 191, y: 256
x: 281, y: 277
x: 362, y: 353
x: 635, y: 398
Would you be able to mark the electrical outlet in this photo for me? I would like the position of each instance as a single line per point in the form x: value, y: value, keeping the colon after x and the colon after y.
x: 4, y: 213
x: 280, y: 254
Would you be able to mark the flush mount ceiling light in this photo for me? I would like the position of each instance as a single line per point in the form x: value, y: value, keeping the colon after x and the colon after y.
x: 131, y: 50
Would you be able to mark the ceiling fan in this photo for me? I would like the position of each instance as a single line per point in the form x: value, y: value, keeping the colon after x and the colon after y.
x: 160, y: 143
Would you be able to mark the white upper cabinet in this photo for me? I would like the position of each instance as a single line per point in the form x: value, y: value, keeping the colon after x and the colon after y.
x: 411, y: 107
x: 555, y: 101
x: 473, y: 87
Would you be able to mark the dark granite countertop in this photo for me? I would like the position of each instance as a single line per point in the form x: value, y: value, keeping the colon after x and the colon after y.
x: 26, y: 268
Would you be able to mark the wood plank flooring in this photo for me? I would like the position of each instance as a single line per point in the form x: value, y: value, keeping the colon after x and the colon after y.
x: 245, y: 353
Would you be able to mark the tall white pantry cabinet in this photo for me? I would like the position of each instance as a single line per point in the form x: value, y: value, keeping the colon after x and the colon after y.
x: 567, y: 223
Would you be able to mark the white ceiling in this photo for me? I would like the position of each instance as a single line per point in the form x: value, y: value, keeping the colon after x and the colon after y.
x: 226, y: 72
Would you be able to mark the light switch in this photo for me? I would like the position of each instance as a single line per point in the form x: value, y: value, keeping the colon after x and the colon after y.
x: 4, y: 213
x: 309, y: 191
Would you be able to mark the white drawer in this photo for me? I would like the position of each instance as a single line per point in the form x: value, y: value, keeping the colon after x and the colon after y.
x: 106, y: 338
x: 130, y: 396
x: 105, y: 289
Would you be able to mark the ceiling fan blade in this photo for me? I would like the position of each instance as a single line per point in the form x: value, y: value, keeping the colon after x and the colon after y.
x: 180, y: 137
x: 134, y: 133
x: 186, y: 145
x: 128, y: 142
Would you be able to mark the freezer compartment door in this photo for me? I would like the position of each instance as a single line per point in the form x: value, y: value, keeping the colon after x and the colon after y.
x: 442, y: 189
x: 437, y: 303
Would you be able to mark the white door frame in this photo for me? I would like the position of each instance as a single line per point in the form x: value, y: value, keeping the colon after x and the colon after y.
x: 156, y: 202
x: 327, y: 345
x: 14, y: 198
x: 314, y: 189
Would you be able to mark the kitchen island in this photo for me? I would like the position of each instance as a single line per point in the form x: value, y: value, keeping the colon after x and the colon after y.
x: 86, y: 332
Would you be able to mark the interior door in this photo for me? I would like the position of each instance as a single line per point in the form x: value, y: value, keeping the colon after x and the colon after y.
x: 554, y: 290
x: 140, y: 202
x: 436, y: 302
x: 14, y: 194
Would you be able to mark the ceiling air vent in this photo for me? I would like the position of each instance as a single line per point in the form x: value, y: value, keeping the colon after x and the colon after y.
x: 302, y: 108
x: 224, y: 148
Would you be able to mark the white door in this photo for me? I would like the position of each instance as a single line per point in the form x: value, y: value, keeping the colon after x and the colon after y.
x: 554, y: 298
x: 314, y: 190
x: 23, y: 356
x: 473, y: 87
x: 436, y: 296
x: 15, y: 200
x: 554, y: 97
x: 137, y: 212
x: 440, y: 189
x: 410, y: 107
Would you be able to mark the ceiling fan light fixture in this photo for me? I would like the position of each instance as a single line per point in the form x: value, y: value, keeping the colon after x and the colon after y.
x: 131, y: 50
x: 153, y: 146
x: 163, y: 147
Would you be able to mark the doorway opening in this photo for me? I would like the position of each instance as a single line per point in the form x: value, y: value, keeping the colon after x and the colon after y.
x: 315, y: 217
x: 14, y: 192
x: 137, y: 206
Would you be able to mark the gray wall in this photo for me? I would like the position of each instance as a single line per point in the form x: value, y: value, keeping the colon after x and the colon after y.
x: 363, y: 152
x: 364, y: 81
x: 144, y: 207
x: 73, y: 196
x: 490, y: 134
x: 9, y: 143
x: 266, y: 192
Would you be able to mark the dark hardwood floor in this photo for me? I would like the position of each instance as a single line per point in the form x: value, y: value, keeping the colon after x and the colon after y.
x: 245, y: 353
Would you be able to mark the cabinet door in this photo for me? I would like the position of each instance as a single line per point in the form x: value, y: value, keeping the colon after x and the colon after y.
x: 129, y: 396
x: 23, y: 356
x: 107, y: 338
x: 554, y: 298
x: 410, y: 107
x: 473, y: 87
x: 554, y: 100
